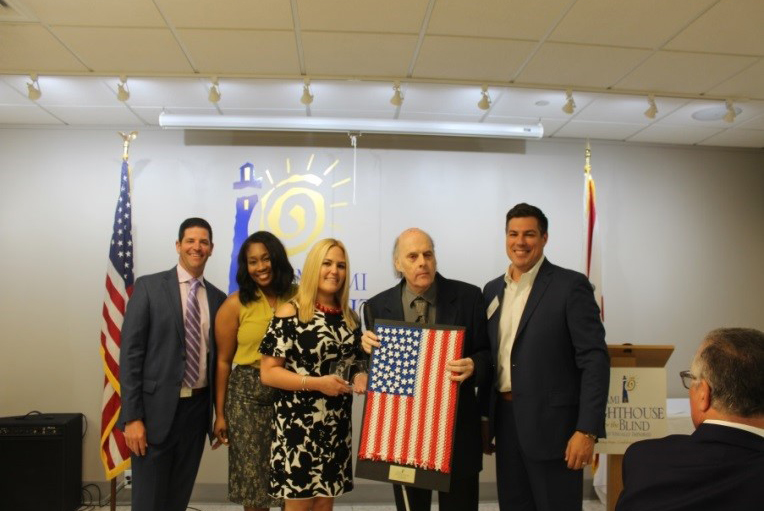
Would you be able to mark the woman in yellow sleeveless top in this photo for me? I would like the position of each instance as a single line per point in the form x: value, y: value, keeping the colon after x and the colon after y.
x: 243, y: 405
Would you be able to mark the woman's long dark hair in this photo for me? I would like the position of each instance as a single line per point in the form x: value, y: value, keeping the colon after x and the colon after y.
x: 283, y: 273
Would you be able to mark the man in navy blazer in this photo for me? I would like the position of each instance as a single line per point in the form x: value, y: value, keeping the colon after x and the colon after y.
x: 165, y: 418
x: 449, y: 302
x: 551, y: 373
x: 721, y: 465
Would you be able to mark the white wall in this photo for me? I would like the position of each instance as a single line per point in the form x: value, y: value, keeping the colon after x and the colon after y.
x: 683, y: 232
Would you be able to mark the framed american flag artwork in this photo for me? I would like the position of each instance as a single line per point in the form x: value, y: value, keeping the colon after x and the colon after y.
x: 407, y: 432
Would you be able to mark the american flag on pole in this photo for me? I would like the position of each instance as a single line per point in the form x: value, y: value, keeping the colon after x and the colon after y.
x: 410, y: 401
x: 119, y: 286
x: 592, y: 241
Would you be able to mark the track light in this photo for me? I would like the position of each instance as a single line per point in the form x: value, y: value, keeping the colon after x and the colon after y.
x: 570, y: 104
x: 214, y: 95
x: 652, y: 111
x: 33, y: 88
x: 123, y: 92
x: 731, y: 114
x: 307, y: 97
x: 485, y: 99
x: 397, y: 99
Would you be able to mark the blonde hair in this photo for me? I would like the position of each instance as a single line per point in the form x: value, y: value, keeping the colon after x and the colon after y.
x: 308, y: 289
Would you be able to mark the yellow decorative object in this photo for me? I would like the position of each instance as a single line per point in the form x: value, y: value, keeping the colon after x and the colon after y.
x: 292, y: 203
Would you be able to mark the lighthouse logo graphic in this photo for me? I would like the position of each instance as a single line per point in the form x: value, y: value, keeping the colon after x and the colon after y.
x: 295, y: 207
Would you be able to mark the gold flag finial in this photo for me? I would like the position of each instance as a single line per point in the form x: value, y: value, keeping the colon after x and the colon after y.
x: 588, y: 164
x: 126, y: 139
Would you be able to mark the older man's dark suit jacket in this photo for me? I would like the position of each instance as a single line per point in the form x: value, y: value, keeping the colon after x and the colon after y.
x: 152, y: 354
x: 457, y: 304
x: 560, y: 364
x: 716, y: 468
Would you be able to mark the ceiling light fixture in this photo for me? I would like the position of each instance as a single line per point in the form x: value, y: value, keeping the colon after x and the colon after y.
x: 214, y: 95
x: 397, y: 99
x: 33, y: 88
x: 652, y: 110
x: 123, y: 91
x: 570, y: 104
x: 307, y: 97
x: 335, y: 125
x: 731, y: 113
x: 485, y: 99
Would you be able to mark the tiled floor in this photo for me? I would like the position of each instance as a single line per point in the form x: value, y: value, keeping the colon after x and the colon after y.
x: 589, y: 505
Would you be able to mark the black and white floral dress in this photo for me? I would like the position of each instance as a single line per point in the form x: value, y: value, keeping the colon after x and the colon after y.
x: 312, y: 446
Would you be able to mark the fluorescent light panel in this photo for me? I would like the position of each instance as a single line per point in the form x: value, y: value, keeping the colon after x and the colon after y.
x: 334, y: 125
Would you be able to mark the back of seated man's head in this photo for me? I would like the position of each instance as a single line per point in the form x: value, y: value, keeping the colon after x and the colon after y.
x: 729, y: 372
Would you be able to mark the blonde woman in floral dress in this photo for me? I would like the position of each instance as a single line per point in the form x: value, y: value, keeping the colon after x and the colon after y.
x: 311, y: 449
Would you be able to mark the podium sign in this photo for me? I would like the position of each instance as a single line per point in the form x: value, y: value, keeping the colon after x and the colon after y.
x: 636, y: 408
x: 627, y: 360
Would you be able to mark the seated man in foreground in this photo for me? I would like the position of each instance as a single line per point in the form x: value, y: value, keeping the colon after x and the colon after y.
x: 721, y: 465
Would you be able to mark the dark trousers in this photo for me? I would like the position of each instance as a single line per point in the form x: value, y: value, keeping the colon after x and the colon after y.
x: 164, y: 478
x: 525, y: 484
x: 462, y: 497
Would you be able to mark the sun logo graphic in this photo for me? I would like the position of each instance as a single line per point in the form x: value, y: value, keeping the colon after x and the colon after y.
x: 294, y: 208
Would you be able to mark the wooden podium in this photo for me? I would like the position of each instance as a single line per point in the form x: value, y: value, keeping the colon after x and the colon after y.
x: 627, y: 355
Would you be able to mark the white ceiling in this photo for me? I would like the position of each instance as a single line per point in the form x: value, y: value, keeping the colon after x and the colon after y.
x: 691, y: 54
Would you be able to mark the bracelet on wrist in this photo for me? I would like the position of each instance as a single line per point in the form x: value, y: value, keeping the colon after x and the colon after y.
x: 590, y: 436
x: 303, y: 381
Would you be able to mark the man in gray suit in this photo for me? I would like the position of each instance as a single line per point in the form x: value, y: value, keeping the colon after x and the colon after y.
x: 167, y: 360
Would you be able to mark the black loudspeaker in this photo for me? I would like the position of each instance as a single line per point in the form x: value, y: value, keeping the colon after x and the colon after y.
x: 41, y: 462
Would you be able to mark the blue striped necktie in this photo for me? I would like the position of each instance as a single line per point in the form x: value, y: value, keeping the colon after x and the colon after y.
x: 193, y: 325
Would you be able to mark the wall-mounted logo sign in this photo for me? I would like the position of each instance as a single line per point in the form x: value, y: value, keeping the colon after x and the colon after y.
x: 293, y: 206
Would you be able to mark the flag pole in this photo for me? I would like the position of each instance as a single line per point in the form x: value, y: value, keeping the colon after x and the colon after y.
x: 126, y: 139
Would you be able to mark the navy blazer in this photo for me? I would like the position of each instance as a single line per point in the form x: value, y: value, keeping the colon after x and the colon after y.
x: 716, y: 468
x: 457, y: 304
x: 560, y: 364
x: 153, y: 352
